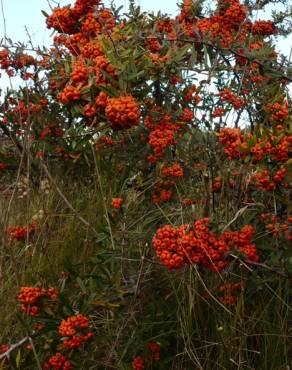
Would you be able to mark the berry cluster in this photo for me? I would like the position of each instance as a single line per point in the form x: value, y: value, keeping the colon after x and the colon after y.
x: 79, y: 27
x: 140, y: 362
x: 238, y: 145
x: 58, y: 362
x: 231, y: 182
x: 79, y: 73
x: 228, y: 96
x: 69, y: 94
x: 101, y: 100
x: 217, y: 184
x: 162, y: 136
x: 154, y: 351
x: 4, y: 59
x: 19, y: 233
x: 279, y: 110
x: 117, y: 203
x: 264, y: 180
x: 187, y: 115
x: 51, y: 130
x: 63, y: 20
x: 158, y: 60
x: 31, y: 299
x: 197, y: 244
x: 103, y: 65
x: 12, y: 63
x: 3, y: 165
x: 188, y: 202
x: 228, y: 290
x: 175, y: 171
x: 21, y: 111
x: 162, y: 193
x: 225, y: 24
x: 4, y: 348
x: 263, y: 28
x: 74, y: 328
x: 277, y: 227
x: 153, y: 44
x: 122, y: 112
x: 231, y: 139
x: 189, y: 93
x: 218, y: 112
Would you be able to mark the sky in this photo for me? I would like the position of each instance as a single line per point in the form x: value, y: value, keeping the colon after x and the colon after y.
x: 21, y: 15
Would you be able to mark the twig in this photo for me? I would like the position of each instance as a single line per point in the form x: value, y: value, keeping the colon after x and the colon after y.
x: 4, y: 20
x: 103, y: 197
x: 248, y: 262
x: 13, y: 347
x: 85, y: 222
x: 264, y: 266
x: 35, y: 354
x: 238, y: 214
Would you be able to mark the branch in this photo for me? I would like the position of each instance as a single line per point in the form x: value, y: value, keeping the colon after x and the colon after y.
x: 13, y: 347
x: 69, y: 205
x: 247, y: 262
x: 223, y: 50
x: 266, y: 267
x: 11, y: 137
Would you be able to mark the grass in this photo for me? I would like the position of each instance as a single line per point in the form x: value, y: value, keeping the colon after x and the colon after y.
x: 104, y: 263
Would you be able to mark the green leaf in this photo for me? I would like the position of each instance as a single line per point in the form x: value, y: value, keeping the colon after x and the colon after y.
x: 45, y: 13
x: 81, y: 284
x: 109, y: 90
x: 18, y: 359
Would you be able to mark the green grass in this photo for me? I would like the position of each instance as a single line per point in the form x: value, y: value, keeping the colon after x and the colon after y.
x: 111, y: 273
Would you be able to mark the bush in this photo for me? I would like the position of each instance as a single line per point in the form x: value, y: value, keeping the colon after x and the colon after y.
x: 146, y: 188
